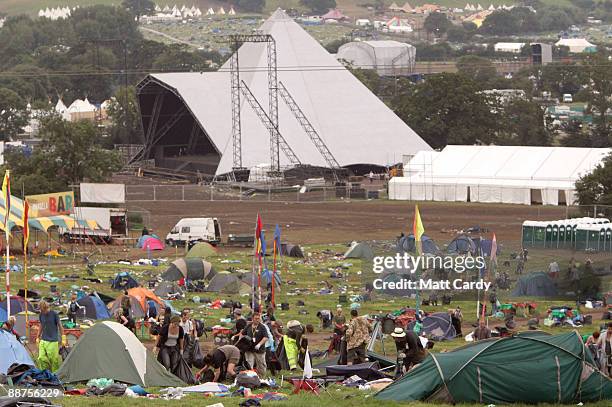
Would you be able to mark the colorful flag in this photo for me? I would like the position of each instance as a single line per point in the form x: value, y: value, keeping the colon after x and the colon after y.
x: 494, y: 250
x: 417, y: 229
x: 262, y: 245
x: 6, y: 194
x: 26, y: 226
x: 258, y: 231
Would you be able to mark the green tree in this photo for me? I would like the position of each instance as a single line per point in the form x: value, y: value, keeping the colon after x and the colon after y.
x: 457, y: 33
x: 73, y: 149
x: 139, y: 7
x: 477, y: 68
x: 437, y: 23
x: 448, y: 109
x: 599, y: 96
x: 126, y: 125
x: 318, y: 6
x: 13, y: 114
x: 523, y: 124
x: 501, y: 22
x: 596, y: 187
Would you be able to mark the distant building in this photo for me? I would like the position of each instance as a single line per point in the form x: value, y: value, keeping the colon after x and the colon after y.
x: 509, y: 47
x: 576, y: 45
x: 541, y: 54
x: 388, y: 58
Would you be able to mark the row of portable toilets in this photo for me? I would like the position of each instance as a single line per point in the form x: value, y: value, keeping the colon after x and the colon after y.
x: 586, y: 234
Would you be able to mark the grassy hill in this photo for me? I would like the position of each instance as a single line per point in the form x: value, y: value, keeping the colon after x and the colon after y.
x: 351, y: 7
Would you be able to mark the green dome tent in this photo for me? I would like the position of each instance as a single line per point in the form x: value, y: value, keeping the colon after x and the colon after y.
x: 228, y: 283
x: 359, y: 251
x: 201, y: 250
x: 109, y: 349
x: 531, y: 368
x: 192, y: 269
x: 535, y: 285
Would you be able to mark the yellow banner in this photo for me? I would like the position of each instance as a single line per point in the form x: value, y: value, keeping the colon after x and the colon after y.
x: 57, y: 203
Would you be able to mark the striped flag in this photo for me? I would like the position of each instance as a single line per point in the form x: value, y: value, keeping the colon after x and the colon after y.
x: 417, y: 229
x: 6, y: 194
x: 26, y: 226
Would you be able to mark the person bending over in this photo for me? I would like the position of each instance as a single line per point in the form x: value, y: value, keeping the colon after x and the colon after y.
x: 223, y: 361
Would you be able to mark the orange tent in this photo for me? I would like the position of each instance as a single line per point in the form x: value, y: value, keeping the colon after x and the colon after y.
x: 142, y: 295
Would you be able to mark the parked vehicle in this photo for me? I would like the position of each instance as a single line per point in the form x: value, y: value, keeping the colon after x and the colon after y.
x: 191, y: 230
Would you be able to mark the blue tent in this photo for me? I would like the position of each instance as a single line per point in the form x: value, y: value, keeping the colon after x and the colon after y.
x: 462, y: 244
x: 94, y: 307
x: 12, y: 352
x: 144, y: 238
x: 3, y: 315
x: 485, y: 246
x: 407, y: 244
x: 124, y: 281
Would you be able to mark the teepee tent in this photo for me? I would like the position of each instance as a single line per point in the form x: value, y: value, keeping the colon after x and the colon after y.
x: 109, y: 349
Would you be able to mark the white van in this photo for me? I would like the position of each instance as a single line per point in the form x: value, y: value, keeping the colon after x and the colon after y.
x: 567, y: 98
x: 189, y: 230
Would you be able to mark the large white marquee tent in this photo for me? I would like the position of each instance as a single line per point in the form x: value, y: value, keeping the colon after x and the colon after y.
x: 496, y: 174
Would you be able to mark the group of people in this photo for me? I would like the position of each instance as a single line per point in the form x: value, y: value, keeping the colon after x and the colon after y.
x: 600, y: 345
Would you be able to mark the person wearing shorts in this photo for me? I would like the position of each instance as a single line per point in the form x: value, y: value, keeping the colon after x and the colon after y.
x: 223, y: 361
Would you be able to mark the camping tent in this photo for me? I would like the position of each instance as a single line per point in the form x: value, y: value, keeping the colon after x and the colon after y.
x: 165, y: 288
x: 143, y: 239
x: 12, y: 352
x: 123, y: 281
x: 20, y: 322
x: 109, y: 349
x: 437, y: 326
x: 138, y: 302
x: 518, y: 369
x: 192, y: 269
x: 228, y: 283
x: 291, y: 250
x: 359, y: 251
x: 535, y: 285
x: 407, y: 244
x: 94, y: 307
x: 201, y: 250
x: 18, y: 304
x: 462, y: 244
x: 143, y: 294
x: 151, y: 243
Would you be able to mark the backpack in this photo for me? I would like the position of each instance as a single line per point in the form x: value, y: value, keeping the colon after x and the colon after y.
x: 199, y: 327
x: 73, y: 307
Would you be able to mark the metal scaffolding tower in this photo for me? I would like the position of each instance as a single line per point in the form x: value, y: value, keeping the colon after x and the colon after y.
x: 237, y: 40
x: 267, y: 122
x: 308, y: 128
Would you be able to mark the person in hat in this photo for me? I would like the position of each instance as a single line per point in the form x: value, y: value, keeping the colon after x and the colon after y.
x: 399, y: 337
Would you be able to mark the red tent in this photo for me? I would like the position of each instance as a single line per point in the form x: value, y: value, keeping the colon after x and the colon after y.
x: 153, y: 244
x: 334, y: 14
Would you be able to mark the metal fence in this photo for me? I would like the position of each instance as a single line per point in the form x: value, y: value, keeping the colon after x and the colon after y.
x: 269, y: 193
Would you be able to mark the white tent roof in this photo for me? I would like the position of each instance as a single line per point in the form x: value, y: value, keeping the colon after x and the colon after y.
x: 574, y: 44
x: 498, y: 164
x: 357, y: 127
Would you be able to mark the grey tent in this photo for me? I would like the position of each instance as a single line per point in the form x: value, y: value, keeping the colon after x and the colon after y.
x: 359, y: 251
x: 228, y: 283
x: 291, y: 250
x: 166, y: 288
x: 189, y: 268
x: 462, y: 244
x: 437, y: 326
x: 535, y: 285
x: 109, y: 349
x: 408, y: 244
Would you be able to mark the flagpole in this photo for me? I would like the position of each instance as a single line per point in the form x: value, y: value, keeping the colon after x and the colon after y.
x: 274, y: 272
x: 8, y: 269
x: 6, y: 192
x: 255, y: 240
x: 26, y: 239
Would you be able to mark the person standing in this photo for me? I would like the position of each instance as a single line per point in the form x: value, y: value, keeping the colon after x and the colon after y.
x: 170, y: 344
x: 456, y: 319
x: 493, y: 301
x: 256, y: 356
x: 604, y: 344
x: 73, y: 309
x: 357, y: 336
x: 49, y: 335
